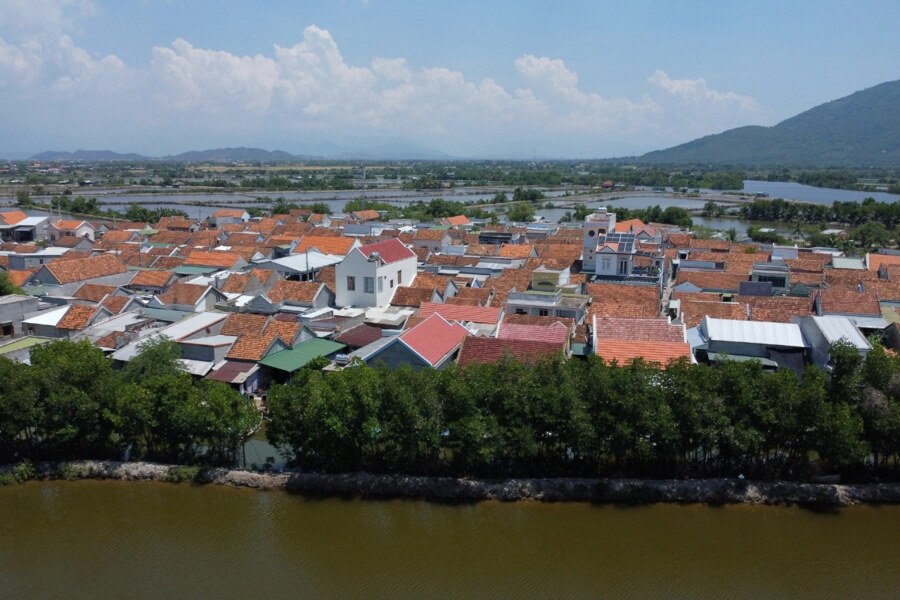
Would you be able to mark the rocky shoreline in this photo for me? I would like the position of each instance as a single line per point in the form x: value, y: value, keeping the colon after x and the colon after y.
x: 449, y: 489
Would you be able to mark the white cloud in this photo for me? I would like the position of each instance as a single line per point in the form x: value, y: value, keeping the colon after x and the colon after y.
x: 698, y: 92
x: 211, y: 80
x: 44, y: 15
x: 193, y: 93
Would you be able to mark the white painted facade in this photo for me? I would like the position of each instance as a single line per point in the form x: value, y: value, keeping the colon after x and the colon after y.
x: 370, y: 282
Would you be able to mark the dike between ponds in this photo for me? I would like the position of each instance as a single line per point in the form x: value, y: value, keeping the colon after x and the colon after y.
x: 457, y: 490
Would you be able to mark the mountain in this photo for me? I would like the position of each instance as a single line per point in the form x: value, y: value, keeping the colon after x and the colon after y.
x: 88, y: 156
x: 859, y: 130
x: 236, y: 155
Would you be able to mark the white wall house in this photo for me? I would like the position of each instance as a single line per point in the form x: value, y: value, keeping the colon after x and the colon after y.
x: 369, y: 275
x: 596, y: 227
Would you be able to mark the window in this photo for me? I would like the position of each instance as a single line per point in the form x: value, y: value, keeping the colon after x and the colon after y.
x: 392, y: 284
x: 544, y: 312
x: 607, y: 264
x: 351, y: 283
x: 399, y: 277
x: 623, y: 267
x: 369, y: 283
x: 380, y: 284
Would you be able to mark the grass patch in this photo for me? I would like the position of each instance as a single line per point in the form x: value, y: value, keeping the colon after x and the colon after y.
x: 182, y: 475
x: 20, y: 473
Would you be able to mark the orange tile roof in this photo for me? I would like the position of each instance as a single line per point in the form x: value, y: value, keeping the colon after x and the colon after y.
x: 183, y: 293
x: 217, y: 259
x: 77, y: 317
x: 457, y: 220
x: 692, y: 311
x: 516, y: 250
x: 365, y: 215
x: 253, y: 346
x: 12, y: 217
x: 167, y: 262
x: 287, y: 331
x: 70, y: 271
x: 94, y: 292
x: 243, y: 323
x: 849, y: 301
x: 429, y: 234
x: 237, y: 213
x: 17, y: 277
x: 114, y: 304
x: 639, y: 330
x: 236, y: 283
x: 876, y: 260
x: 303, y: 292
x: 338, y: 246
x: 69, y: 224
x: 712, y: 280
x: 152, y: 278
x: 624, y: 352
x: 620, y: 300
x: 415, y: 296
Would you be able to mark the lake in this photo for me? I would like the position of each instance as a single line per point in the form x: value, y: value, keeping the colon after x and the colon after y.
x: 110, y: 539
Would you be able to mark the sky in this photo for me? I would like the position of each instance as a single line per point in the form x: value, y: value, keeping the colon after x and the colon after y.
x: 471, y: 79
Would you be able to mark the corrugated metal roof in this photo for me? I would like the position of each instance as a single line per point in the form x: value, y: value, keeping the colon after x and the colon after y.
x: 295, y: 358
x: 752, y: 332
x: 836, y: 328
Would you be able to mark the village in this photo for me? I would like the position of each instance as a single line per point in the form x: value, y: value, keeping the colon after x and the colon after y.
x: 250, y: 301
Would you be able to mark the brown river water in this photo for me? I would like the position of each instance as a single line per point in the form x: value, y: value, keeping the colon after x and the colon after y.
x: 110, y: 539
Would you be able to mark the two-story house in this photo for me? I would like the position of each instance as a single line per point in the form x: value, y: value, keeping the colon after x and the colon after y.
x: 369, y: 275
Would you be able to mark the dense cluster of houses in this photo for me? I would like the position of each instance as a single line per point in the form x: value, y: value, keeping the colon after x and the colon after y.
x: 251, y: 301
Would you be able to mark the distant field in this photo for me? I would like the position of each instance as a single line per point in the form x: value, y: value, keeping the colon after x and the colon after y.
x: 226, y: 168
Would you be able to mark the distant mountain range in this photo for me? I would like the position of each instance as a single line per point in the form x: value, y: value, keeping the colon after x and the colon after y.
x: 859, y: 130
x: 383, y: 152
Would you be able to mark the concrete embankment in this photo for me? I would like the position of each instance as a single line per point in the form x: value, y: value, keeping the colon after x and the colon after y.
x: 448, y: 489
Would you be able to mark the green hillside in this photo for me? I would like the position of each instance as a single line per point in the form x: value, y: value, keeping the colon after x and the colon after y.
x: 859, y: 130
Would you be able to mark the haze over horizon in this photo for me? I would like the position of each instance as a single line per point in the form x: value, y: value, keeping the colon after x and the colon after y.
x: 510, y: 79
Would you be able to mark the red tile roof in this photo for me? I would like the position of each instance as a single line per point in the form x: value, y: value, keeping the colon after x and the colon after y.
x: 556, y: 332
x: 390, y: 251
x: 641, y: 330
x: 434, y: 338
x: 466, y: 314
x: 359, y: 336
x: 490, y: 350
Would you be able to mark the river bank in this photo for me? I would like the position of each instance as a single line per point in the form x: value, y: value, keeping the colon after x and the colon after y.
x: 449, y: 489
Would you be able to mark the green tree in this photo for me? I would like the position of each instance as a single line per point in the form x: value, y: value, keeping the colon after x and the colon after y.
x: 521, y: 212
x: 7, y: 287
x: 23, y: 198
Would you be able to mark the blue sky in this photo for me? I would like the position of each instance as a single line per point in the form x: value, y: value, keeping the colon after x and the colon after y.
x: 472, y: 79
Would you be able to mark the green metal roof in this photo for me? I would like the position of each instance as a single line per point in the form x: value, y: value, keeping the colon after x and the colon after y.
x: 295, y: 358
x: 22, y: 343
